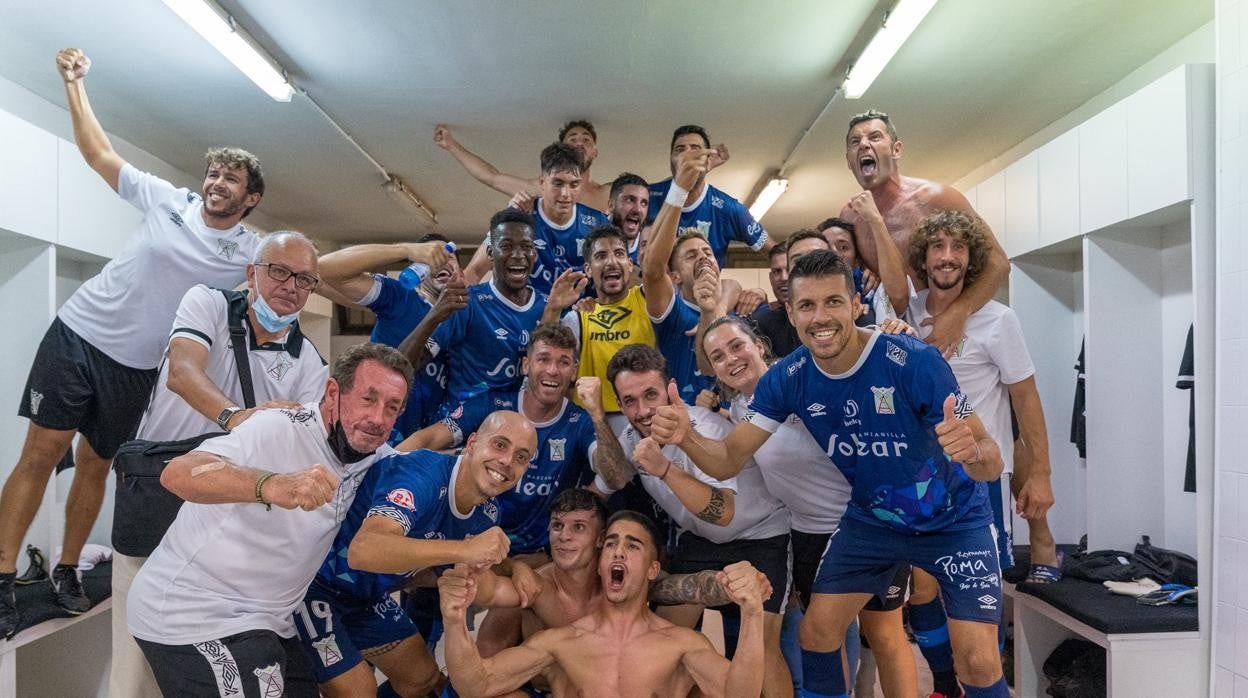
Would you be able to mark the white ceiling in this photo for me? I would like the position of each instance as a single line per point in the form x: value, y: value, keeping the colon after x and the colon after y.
x: 977, y: 77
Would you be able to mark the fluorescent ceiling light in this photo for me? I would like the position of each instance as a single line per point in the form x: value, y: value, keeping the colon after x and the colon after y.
x: 220, y: 30
x: 768, y: 197
x: 898, y: 25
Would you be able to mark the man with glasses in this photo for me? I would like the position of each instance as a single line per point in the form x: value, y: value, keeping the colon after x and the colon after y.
x: 198, y: 391
x: 95, y: 367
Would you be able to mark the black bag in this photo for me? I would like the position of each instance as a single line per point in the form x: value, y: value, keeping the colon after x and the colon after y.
x: 1104, y: 566
x: 143, y: 509
x: 1165, y: 566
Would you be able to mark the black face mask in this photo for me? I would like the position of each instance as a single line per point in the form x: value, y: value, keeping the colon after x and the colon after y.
x: 338, y: 443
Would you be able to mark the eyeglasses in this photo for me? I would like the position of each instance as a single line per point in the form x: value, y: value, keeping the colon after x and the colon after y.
x: 280, y: 273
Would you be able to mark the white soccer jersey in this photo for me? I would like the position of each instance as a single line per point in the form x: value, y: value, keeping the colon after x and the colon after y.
x: 757, y: 514
x: 991, y: 356
x: 287, y: 370
x: 124, y: 311
x: 226, y: 568
x: 799, y: 474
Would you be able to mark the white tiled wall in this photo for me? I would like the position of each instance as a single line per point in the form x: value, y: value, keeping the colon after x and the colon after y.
x: 1231, y: 465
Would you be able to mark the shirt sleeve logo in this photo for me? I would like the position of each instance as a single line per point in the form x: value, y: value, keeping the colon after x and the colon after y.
x: 403, y: 498
x: 896, y: 354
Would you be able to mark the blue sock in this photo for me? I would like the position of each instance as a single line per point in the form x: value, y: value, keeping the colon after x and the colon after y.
x: 931, y: 632
x: 996, y: 690
x: 789, y: 648
x: 822, y: 675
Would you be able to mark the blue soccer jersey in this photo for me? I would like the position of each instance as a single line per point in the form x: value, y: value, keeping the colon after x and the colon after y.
x: 417, y: 491
x: 565, y: 445
x: 670, y: 334
x: 561, y: 247
x: 482, y: 342
x: 719, y: 217
x: 877, y: 423
x: 398, y: 312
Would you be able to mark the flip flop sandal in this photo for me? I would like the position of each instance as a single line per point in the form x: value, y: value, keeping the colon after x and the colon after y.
x: 1045, y: 574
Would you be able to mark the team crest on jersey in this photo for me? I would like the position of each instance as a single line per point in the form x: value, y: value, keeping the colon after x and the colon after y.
x: 702, y: 228
x: 817, y: 409
x: 226, y: 249
x: 458, y: 412
x: 884, y: 400
x: 35, y: 399
x: 896, y: 354
x: 490, y: 509
x: 580, y: 242
x: 796, y: 365
x: 280, y: 368
x: 177, y: 219
x: 607, y: 318
x: 271, y: 683
x: 403, y: 498
x: 327, y: 649
x: 717, y: 202
x: 557, y: 447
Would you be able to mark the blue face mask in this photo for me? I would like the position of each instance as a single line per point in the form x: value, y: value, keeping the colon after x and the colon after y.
x: 269, y: 319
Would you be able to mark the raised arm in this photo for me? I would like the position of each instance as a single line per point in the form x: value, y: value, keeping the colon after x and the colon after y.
x: 711, y: 303
x: 609, y: 460
x: 715, y: 505
x: 891, y: 265
x: 1036, y: 495
x: 719, y: 459
x: 743, y: 677
x: 453, y: 298
x: 381, y: 545
x: 347, y: 272
x: 471, y: 675
x: 564, y: 292
x: 481, y: 170
x: 207, y: 478
x: 655, y: 282
x: 92, y: 142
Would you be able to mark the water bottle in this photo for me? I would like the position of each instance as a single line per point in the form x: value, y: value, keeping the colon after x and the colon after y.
x: 415, y: 272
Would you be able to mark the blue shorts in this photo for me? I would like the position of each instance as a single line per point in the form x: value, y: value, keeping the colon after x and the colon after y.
x: 335, y: 627
x: 864, y: 558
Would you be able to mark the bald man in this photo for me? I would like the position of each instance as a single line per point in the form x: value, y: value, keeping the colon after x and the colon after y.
x: 417, y: 510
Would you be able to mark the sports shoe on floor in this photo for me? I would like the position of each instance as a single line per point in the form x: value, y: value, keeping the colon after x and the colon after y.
x: 8, y: 609
x: 37, y: 571
x: 67, y: 586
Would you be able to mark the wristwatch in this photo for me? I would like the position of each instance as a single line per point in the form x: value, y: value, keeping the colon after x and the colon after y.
x: 224, y: 418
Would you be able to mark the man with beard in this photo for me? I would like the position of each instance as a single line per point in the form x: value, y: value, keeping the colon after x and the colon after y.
x: 96, y: 365
x: 628, y: 208
x: 917, y: 458
x: 873, y: 153
x: 948, y: 251
x: 211, y: 608
x: 419, y: 510
x: 717, y: 217
x: 483, y: 329
x: 579, y: 134
x: 560, y: 223
x: 622, y: 648
x: 349, y: 278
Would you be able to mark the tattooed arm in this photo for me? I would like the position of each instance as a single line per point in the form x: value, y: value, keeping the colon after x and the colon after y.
x: 714, y: 505
x: 699, y: 588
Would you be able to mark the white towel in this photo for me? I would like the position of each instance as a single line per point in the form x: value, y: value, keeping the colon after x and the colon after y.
x: 92, y: 555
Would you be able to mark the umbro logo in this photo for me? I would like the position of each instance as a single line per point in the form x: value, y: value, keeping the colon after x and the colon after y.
x: 987, y: 601
x: 816, y: 409
x: 176, y: 218
x: 606, y: 318
x: 539, y: 244
x: 500, y: 333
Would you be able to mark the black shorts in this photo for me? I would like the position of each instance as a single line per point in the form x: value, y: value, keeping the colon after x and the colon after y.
x: 770, y: 556
x: 253, y: 664
x: 808, y: 552
x: 73, y: 385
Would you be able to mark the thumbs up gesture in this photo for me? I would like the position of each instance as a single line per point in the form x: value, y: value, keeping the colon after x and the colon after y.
x: 955, y: 435
x: 670, y: 424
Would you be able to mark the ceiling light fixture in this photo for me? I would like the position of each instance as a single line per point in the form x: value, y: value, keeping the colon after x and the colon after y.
x: 219, y: 28
x: 897, y: 27
x: 768, y: 196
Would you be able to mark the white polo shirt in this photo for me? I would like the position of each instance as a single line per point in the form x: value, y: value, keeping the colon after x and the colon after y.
x: 226, y: 568
x: 287, y: 370
x: 757, y: 514
x: 125, y: 310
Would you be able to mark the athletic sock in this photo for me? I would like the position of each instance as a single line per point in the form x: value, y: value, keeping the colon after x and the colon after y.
x: 996, y: 690
x: 931, y: 632
x: 822, y: 675
x: 789, y: 648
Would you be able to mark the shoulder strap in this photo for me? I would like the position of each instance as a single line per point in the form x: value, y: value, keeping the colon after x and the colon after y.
x: 237, y: 315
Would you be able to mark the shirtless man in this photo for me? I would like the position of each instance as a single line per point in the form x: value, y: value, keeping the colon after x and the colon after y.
x: 873, y: 152
x: 579, y: 134
x: 621, y: 648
